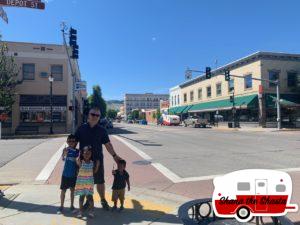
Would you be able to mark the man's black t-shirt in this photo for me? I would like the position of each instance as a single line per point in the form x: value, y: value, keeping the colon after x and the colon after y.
x: 93, y: 136
x: 120, y: 180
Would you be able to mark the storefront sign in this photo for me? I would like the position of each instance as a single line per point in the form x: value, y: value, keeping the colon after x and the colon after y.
x: 42, y: 108
x: 23, y: 3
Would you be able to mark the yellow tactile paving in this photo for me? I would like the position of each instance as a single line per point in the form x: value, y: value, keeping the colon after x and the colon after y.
x: 4, y: 187
x: 140, y: 204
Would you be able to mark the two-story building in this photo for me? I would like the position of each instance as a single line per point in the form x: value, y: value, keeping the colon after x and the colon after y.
x: 253, y: 100
x: 31, y: 110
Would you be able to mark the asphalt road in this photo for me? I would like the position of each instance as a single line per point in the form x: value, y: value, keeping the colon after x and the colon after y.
x: 10, y: 149
x: 192, y: 152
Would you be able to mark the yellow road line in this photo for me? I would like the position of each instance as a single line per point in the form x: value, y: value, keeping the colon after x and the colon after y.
x: 4, y: 187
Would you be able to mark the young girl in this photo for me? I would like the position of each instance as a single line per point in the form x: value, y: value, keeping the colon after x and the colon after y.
x: 85, y: 180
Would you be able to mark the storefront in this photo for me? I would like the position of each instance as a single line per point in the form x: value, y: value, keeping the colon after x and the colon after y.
x: 37, y: 109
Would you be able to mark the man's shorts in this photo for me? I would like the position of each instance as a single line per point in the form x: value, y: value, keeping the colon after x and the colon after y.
x: 67, y: 182
x: 118, y: 194
x: 99, y: 176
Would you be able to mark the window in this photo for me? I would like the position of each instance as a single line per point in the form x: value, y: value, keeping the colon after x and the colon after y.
x: 184, y: 97
x: 291, y: 79
x: 230, y: 85
x: 248, y: 81
x: 178, y: 100
x: 243, y: 186
x: 261, y: 184
x: 273, y: 75
x: 28, y: 71
x: 172, y: 101
x: 57, y: 72
x: 208, y: 91
x: 192, y: 96
x: 280, y: 188
x: 219, y: 89
x: 200, y: 93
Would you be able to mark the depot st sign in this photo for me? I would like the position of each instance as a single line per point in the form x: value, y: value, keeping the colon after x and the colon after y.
x: 33, y: 4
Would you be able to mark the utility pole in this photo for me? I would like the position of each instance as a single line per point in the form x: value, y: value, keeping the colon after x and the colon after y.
x: 51, y: 103
x: 63, y: 28
x: 278, y: 105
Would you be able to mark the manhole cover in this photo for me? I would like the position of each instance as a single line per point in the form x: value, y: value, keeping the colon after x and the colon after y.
x: 141, y: 162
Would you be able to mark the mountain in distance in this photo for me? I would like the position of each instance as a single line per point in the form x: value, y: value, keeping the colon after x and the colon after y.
x: 114, y: 104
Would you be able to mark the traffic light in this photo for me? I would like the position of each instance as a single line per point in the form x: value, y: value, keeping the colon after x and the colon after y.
x: 73, y: 43
x: 208, y: 72
x: 227, y: 75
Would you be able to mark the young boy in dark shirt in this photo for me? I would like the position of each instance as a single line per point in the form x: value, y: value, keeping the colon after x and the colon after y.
x: 121, y: 177
x: 69, y: 175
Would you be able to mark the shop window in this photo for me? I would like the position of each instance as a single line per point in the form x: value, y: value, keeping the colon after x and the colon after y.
x: 208, y: 92
x: 219, y: 89
x: 291, y: 79
x: 178, y: 100
x: 200, y: 93
x: 28, y: 71
x: 248, y: 81
x: 273, y: 76
x: 184, y: 97
x: 57, y: 72
x: 192, y: 96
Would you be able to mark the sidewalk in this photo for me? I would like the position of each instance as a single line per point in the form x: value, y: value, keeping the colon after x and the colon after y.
x: 38, y: 204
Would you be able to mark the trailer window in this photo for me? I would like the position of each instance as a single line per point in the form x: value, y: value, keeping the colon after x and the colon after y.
x: 280, y: 188
x: 261, y: 184
x: 243, y: 186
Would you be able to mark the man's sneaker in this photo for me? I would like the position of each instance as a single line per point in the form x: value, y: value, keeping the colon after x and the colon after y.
x: 79, y: 215
x: 121, y: 208
x: 60, y: 210
x: 72, y: 209
x: 114, y: 208
x: 104, y: 204
x: 86, y: 205
x: 91, y: 214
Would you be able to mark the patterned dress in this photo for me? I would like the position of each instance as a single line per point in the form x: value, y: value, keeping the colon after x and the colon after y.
x: 85, y: 179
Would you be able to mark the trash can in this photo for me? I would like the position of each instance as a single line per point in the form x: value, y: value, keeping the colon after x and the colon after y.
x: 230, y: 124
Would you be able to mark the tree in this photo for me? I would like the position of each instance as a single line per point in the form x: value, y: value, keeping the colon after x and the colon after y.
x: 96, y: 100
x: 112, y: 114
x: 158, y: 114
x: 8, y: 79
x: 135, y: 114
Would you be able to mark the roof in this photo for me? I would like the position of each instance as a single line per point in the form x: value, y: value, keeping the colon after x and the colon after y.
x: 244, y: 61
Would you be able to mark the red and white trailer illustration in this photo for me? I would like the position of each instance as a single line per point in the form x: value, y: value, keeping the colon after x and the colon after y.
x: 170, y: 120
x: 255, y: 192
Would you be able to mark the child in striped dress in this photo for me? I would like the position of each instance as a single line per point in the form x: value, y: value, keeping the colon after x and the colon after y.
x: 85, y: 180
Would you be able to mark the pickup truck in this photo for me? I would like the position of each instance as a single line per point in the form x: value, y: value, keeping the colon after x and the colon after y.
x: 195, y: 122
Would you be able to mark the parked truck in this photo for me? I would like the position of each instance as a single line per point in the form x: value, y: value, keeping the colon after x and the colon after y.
x: 195, y: 122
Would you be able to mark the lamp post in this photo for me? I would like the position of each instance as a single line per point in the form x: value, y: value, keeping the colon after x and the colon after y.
x: 51, y: 104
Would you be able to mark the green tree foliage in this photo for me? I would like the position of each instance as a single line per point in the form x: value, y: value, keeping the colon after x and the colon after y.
x: 8, y: 79
x: 135, y: 114
x: 158, y: 114
x: 96, y: 100
x: 112, y: 114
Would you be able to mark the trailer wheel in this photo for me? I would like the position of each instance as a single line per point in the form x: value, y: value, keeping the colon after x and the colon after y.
x: 243, y: 213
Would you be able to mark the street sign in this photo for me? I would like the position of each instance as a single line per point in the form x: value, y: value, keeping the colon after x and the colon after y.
x: 80, y: 86
x: 3, y: 15
x: 33, y: 4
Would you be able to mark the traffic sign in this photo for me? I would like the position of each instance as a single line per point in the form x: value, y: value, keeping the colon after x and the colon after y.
x: 3, y: 15
x: 33, y: 4
x: 80, y: 86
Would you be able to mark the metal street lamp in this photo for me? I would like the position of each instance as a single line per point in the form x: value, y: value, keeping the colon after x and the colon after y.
x: 51, y: 104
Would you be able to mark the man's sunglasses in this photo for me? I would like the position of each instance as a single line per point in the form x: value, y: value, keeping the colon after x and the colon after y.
x: 95, y: 115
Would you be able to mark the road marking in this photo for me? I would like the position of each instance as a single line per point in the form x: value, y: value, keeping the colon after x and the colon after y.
x: 174, y: 177
x: 133, y: 148
x: 50, y: 166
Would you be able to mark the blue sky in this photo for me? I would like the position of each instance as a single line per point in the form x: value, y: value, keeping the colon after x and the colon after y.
x: 138, y: 46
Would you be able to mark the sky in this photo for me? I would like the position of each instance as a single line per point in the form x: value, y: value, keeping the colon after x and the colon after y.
x: 142, y: 46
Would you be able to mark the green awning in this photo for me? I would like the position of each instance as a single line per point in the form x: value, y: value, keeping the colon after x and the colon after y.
x: 187, y: 109
x: 286, y: 100
x: 249, y: 101
x: 177, y: 110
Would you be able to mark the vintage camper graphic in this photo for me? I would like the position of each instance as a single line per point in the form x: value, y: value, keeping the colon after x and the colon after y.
x: 255, y: 192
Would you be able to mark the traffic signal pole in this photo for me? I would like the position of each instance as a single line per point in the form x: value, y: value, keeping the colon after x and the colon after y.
x: 63, y: 26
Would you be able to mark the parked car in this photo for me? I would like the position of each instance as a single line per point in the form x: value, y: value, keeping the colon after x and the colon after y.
x: 143, y: 122
x: 195, y: 122
x: 129, y: 121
